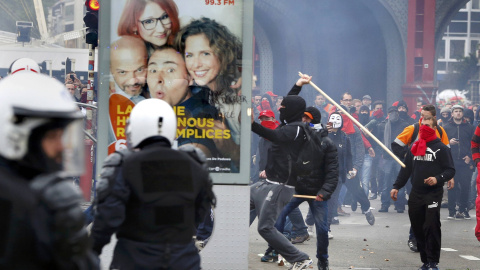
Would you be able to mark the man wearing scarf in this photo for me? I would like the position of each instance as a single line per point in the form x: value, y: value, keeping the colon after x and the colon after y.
x: 430, y: 165
x: 390, y: 128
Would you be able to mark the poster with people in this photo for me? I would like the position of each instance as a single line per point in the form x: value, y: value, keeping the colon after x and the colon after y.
x: 189, y: 54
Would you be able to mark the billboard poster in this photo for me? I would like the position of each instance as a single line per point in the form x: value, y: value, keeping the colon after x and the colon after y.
x: 189, y: 54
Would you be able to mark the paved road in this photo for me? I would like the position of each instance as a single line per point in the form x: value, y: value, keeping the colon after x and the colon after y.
x: 357, y: 245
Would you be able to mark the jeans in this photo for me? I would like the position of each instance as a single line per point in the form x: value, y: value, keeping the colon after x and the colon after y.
x: 392, y: 168
x: 461, y: 189
x: 269, y: 200
x: 366, y: 172
x: 320, y: 212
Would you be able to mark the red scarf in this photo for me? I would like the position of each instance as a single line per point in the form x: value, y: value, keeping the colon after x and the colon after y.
x: 347, y: 125
x: 269, y: 124
x: 378, y: 114
x: 427, y: 134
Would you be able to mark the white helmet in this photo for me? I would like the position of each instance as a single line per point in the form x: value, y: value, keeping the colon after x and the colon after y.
x: 32, y: 104
x: 151, y: 118
x: 23, y: 64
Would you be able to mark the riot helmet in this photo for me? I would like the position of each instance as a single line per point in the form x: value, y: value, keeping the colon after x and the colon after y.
x: 151, y: 118
x: 41, y: 125
x: 23, y: 64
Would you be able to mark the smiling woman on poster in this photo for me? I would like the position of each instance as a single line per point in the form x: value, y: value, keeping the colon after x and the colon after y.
x: 211, y: 53
x: 155, y: 21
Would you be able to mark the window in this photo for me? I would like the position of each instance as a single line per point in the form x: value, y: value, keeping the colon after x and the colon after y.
x: 473, y: 46
x: 458, y: 27
x: 69, y: 13
x: 68, y: 27
x: 441, y: 50
x: 475, y: 4
x: 457, y: 49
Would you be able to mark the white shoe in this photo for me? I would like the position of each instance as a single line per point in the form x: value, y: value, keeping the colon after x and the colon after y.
x: 301, y: 265
x: 330, y: 235
x: 310, y: 230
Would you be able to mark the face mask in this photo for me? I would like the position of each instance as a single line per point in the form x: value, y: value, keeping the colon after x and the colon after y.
x: 403, y: 115
x: 393, y: 116
x: 336, y: 120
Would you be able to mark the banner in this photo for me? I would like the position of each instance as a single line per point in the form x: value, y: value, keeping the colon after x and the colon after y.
x: 188, y: 53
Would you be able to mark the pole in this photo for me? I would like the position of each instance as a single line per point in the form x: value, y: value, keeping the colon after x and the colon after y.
x: 357, y: 123
x: 304, y: 196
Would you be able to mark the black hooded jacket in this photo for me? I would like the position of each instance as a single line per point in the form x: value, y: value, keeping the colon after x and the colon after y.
x: 323, y: 180
x: 287, y: 140
x: 463, y: 132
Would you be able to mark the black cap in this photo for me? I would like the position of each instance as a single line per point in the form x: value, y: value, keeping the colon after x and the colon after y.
x: 402, y: 103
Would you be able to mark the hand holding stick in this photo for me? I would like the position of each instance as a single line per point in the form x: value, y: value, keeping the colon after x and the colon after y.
x: 357, y: 123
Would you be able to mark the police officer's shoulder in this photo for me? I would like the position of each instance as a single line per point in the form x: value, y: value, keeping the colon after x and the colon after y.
x: 116, y: 158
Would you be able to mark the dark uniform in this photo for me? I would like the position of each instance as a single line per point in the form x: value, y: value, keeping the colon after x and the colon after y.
x: 153, y: 199
x: 42, y: 223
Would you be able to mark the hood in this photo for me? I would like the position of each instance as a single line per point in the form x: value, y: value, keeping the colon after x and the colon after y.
x: 294, y: 109
x: 468, y: 113
x: 315, y: 113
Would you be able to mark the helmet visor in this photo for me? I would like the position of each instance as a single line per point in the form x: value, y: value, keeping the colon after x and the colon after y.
x: 74, y: 146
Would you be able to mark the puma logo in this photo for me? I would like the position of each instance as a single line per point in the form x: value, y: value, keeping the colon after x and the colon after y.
x: 434, y: 153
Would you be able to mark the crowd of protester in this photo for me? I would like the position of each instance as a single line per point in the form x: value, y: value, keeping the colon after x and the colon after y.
x: 397, y: 126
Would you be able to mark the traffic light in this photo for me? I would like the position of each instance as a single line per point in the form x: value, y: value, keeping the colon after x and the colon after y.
x: 91, y: 22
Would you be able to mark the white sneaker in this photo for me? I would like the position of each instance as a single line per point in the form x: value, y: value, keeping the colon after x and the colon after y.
x: 310, y: 230
x: 301, y: 265
x: 330, y: 235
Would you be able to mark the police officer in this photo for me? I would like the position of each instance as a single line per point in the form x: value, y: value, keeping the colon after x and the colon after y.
x: 42, y: 224
x: 152, y: 196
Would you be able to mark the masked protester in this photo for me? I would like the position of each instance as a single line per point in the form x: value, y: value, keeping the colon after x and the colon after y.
x: 152, y: 196
x: 41, y: 143
x: 430, y: 165
x: 364, y: 116
x: 403, y: 112
x: 280, y: 182
x: 445, y: 115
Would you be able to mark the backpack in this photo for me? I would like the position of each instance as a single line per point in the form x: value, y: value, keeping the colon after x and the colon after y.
x: 416, y: 128
x: 309, y: 156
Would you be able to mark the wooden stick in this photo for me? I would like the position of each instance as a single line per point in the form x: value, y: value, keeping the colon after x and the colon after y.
x: 304, y: 196
x: 357, y: 123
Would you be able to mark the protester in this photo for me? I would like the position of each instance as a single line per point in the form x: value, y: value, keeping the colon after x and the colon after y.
x: 409, y: 135
x: 460, y: 133
x: 151, y: 196
x: 320, y: 183
x: 430, y: 164
x: 280, y: 182
x: 476, y: 158
x: 390, y: 128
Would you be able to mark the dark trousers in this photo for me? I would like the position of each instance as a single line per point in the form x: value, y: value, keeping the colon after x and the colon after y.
x: 461, y: 189
x: 424, y: 213
x: 358, y: 195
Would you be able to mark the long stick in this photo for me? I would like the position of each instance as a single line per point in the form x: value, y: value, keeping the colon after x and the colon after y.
x: 357, y: 123
x: 305, y: 196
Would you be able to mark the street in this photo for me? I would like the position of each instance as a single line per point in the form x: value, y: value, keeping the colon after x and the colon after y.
x: 357, y: 245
